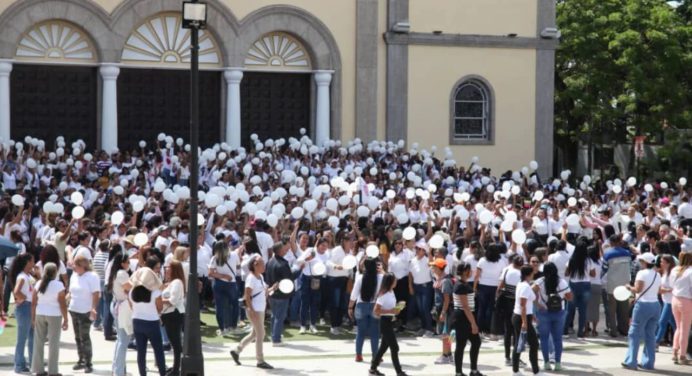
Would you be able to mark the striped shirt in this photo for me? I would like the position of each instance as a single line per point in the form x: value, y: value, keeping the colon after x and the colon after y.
x: 100, y: 261
x: 462, y: 288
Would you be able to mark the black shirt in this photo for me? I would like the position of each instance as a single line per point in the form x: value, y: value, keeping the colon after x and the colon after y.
x: 278, y: 270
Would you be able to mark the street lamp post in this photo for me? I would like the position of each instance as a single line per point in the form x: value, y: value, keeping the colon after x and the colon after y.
x: 194, y: 18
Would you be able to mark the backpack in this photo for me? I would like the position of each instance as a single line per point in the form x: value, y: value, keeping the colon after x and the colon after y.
x: 554, y: 302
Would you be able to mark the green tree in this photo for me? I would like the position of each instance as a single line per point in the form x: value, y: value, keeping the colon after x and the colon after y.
x: 622, y: 69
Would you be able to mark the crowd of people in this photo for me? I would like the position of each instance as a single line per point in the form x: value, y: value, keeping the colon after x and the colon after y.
x: 370, y: 236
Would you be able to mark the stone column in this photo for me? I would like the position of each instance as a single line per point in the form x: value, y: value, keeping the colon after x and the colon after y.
x: 5, y: 69
x: 233, y: 77
x: 323, y: 79
x: 109, y: 107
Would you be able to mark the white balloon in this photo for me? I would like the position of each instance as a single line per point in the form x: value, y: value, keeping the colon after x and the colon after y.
x: 621, y: 293
x: 372, y: 251
x: 58, y: 208
x: 463, y: 214
x: 77, y: 212
x: 118, y: 190
x: 297, y: 212
x: 515, y: 190
x: 485, y: 217
x: 519, y: 236
x: 436, y: 242
x: 538, y: 195
x: 319, y: 269
x: 272, y: 220
x: 402, y: 218
x: 409, y: 233
x: 48, y: 207
x: 18, y: 200
x: 310, y: 205
x: 533, y: 165
x: 349, y: 262
x: 212, y: 200
x: 221, y: 210
x: 617, y: 189
x: 141, y: 239
x: 682, y: 181
x: 286, y: 286
x: 511, y: 216
x: 632, y: 181
x: 332, y: 204
x: 572, y: 201
x: 333, y: 221
x: 117, y: 218
x: 506, y: 226
x: 138, y: 206
x: 363, y: 211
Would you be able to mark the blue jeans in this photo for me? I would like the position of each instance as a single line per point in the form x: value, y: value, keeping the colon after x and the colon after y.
x: 25, y: 332
x: 643, y: 327
x: 582, y: 294
x: 367, y: 325
x: 279, y: 311
x: 665, y: 320
x: 486, y: 306
x: 339, y: 302
x: 148, y: 331
x: 550, y: 326
x: 107, y: 315
x: 294, y: 309
x: 242, y: 315
x: 100, y: 309
x: 422, y: 297
x: 226, y: 301
x: 120, y: 353
x: 309, y: 301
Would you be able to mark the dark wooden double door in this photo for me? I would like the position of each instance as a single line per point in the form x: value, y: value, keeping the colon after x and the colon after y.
x: 274, y: 105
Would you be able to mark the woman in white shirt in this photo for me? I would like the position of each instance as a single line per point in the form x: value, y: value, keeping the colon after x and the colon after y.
x: 593, y: 307
x: 223, y: 269
x: 386, y: 308
x: 645, y: 314
x: 146, y: 308
x: 255, y: 295
x: 552, y: 291
x: 667, y: 265
x: 48, y: 307
x: 119, y: 284
x: 506, y: 296
x: 362, y: 304
x: 487, y: 279
x: 399, y: 262
x: 21, y: 281
x: 173, y: 297
x: 580, y: 270
x: 85, y: 291
x: 522, y: 320
x: 682, y: 306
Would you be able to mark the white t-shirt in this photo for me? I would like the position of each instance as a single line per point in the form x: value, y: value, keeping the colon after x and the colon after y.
x: 47, y: 303
x: 358, y: 285
x: 682, y: 285
x: 524, y: 291
x: 121, y: 278
x: 387, y: 301
x: 399, y: 263
x: 175, y: 293
x: 587, y: 273
x: 560, y: 259
x: 510, y: 276
x: 146, y: 310
x: 420, y: 270
x: 490, y: 271
x: 666, y: 282
x: 81, y: 291
x: 562, y: 290
x: 27, y: 287
x: 648, y: 295
x: 230, y: 268
x: 257, y: 292
x: 83, y: 251
x: 61, y: 269
x: 471, y: 260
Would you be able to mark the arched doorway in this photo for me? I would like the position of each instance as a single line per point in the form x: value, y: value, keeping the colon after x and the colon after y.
x: 276, y: 88
x: 54, y: 84
x: 154, y: 87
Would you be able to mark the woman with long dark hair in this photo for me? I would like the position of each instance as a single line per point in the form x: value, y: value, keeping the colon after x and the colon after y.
x: 48, y: 307
x: 506, y: 294
x: 593, y: 307
x: 386, y: 309
x: 20, y: 280
x: 362, y: 304
x: 551, y: 291
x: 487, y: 279
x: 666, y: 291
x: 522, y: 320
x: 49, y: 254
x: 580, y: 270
x: 465, y: 321
x: 119, y: 286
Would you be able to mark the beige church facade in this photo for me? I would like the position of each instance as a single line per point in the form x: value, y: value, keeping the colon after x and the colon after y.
x: 472, y: 75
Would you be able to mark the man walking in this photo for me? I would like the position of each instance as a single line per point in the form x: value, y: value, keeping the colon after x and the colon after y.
x: 278, y: 270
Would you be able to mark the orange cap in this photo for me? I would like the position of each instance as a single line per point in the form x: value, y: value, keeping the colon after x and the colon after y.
x: 440, y: 263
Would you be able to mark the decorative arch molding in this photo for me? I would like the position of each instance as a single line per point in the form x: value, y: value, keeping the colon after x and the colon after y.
x: 278, y: 51
x: 56, y: 41
x: 222, y: 25
x: 23, y: 15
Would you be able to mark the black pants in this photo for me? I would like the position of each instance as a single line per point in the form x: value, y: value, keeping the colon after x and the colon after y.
x: 402, y: 295
x: 505, y: 311
x: 531, y: 339
x: 173, y: 322
x: 462, y: 326
x: 388, y: 341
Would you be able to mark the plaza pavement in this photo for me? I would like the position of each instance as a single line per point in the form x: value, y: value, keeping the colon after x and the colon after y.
x: 599, y: 356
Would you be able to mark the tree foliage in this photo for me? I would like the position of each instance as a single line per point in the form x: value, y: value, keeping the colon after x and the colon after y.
x: 622, y: 68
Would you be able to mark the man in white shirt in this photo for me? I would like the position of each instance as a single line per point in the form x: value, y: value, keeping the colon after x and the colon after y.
x: 264, y: 240
x: 337, y: 277
x: 420, y: 287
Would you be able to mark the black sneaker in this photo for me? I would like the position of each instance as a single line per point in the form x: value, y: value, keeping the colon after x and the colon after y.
x: 88, y: 368
x: 235, y: 356
x: 375, y: 372
x: 78, y: 366
x: 476, y: 373
x: 264, y: 365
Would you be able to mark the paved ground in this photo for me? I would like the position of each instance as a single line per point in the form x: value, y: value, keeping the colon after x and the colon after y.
x: 335, y: 357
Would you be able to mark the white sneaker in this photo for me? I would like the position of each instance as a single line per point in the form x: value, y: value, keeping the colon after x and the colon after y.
x: 420, y: 332
x: 219, y: 332
x: 428, y: 334
x: 313, y: 329
x: 277, y: 344
x: 335, y: 331
x: 302, y: 330
x: 322, y: 322
x: 517, y: 374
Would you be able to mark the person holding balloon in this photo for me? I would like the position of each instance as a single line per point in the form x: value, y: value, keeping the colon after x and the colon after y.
x: 312, y: 264
x: 278, y: 271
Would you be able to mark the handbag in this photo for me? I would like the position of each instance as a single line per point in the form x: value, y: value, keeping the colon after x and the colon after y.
x: 315, y: 282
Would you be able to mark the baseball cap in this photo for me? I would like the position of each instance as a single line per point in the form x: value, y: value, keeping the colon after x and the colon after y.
x: 439, y: 263
x: 648, y: 258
